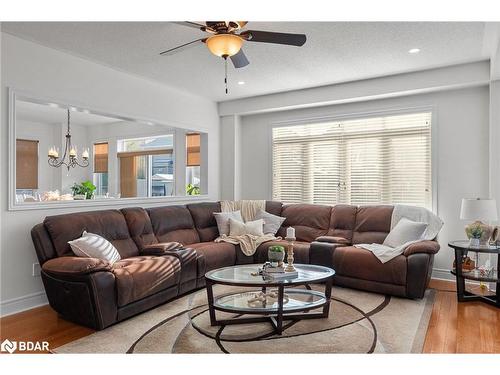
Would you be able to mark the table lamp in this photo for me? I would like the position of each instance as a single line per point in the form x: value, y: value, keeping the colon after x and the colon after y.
x: 478, y: 209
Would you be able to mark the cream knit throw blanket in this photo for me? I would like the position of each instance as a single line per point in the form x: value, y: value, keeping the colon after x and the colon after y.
x: 249, y: 208
x: 434, y: 224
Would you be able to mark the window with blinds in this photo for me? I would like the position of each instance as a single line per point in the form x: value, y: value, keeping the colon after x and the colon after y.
x: 376, y: 160
x: 101, y: 157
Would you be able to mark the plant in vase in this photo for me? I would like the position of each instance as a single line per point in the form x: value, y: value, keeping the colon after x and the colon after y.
x: 476, y: 233
x: 276, y: 254
x: 86, y: 188
x: 192, y: 189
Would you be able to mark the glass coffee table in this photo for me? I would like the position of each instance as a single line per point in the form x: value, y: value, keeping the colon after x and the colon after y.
x: 275, y: 300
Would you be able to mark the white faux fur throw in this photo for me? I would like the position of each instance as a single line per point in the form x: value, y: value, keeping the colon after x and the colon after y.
x: 419, y: 214
x: 249, y: 208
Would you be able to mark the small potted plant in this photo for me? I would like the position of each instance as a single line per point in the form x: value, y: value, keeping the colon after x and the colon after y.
x: 192, y: 189
x: 476, y: 233
x: 85, y: 189
x: 276, y: 254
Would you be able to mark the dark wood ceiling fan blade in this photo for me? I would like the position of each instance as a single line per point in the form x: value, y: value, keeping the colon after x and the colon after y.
x: 276, y: 38
x: 194, y: 25
x: 239, y: 60
x: 182, y: 47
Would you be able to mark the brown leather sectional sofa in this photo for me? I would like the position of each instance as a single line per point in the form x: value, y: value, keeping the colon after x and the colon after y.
x: 93, y: 293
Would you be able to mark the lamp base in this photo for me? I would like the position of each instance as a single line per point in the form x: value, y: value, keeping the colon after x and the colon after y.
x: 487, y: 231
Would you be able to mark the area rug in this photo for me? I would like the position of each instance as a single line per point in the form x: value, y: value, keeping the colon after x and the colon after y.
x: 359, y: 322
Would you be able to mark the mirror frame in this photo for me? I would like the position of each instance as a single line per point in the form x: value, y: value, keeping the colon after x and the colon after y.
x: 14, y: 95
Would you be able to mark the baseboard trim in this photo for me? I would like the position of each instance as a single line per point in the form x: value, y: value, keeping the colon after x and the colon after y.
x: 19, y: 304
x: 442, y: 274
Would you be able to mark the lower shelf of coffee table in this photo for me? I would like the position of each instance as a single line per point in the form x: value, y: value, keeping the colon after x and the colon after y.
x: 298, y: 300
x: 475, y: 275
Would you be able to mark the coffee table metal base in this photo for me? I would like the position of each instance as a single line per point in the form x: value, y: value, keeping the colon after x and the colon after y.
x: 276, y: 317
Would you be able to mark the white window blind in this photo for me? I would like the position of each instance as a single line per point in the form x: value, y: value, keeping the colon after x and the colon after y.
x: 377, y: 160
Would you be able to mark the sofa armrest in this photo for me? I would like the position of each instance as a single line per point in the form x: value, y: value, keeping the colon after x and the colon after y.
x: 75, y: 266
x: 162, y: 248
x: 428, y: 247
x: 321, y: 253
x: 333, y: 239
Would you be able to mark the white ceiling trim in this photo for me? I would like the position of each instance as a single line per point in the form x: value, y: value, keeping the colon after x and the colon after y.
x: 447, y: 78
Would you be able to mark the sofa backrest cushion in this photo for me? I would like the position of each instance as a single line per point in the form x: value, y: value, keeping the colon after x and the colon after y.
x: 309, y: 220
x: 173, y: 223
x: 109, y: 224
x: 274, y: 207
x: 373, y: 223
x: 342, y: 221
x: 139, y: 226
x: 204, y: 219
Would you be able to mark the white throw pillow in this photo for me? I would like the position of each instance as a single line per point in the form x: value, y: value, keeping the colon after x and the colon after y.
x: 405, y: 231
x: 91, y: 245
x: 272, y: 223
x: 239, y: 228
x: 222, y: 219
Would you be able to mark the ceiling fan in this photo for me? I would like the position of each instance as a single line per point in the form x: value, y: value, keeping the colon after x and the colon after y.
x: 227, y: 38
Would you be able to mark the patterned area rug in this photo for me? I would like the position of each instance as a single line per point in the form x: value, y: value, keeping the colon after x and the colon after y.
x: 359, y: 322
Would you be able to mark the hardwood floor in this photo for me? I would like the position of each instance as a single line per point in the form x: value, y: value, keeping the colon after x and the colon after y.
x: 41, y: 324
x: 471, y: 327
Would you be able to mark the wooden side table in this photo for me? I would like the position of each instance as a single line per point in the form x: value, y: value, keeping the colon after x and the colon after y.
x: 462, y: 248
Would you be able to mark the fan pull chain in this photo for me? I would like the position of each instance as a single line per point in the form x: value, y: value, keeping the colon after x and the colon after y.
x: 225, y: 73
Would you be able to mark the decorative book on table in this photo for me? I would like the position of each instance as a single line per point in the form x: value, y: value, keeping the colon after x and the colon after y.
x: 273, y: 270
x: 282, y: 275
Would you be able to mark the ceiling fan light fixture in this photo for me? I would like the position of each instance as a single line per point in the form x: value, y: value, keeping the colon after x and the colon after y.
x: 224, y: 45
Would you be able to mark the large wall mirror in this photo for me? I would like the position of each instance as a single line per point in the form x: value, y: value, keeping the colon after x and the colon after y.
x: 67, y: 155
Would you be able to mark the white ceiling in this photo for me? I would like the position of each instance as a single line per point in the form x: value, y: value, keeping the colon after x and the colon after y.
x: 45, y: 114
x: 334, y: 52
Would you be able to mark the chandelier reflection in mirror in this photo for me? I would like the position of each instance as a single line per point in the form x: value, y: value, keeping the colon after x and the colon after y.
x: 70, y: 156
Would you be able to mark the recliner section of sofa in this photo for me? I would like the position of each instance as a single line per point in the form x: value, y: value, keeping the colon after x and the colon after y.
x: 96, y: 294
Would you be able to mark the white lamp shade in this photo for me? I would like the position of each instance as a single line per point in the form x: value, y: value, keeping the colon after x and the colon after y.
x: 478, y: 209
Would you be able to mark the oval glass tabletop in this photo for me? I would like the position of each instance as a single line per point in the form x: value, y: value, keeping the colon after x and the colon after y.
x: 246, y: 275
x: 465, y: 245
x: 294, y: 300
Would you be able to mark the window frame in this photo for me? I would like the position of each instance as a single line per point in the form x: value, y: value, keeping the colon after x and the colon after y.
x: 360, y: 115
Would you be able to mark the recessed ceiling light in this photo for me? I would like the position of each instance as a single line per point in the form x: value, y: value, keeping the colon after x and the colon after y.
x: 241, y: 82
x: 414, y: 50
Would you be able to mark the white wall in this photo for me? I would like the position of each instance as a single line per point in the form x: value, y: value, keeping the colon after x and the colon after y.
x: 49, y: 73
x: 495, y: 139
x: 461, y: 118
x: 230, y: 161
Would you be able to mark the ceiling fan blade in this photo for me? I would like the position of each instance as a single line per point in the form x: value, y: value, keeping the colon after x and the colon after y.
x: 182, y: 47
x: 195, y: 25
x: 272, y: 37
x: 239, y: 60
